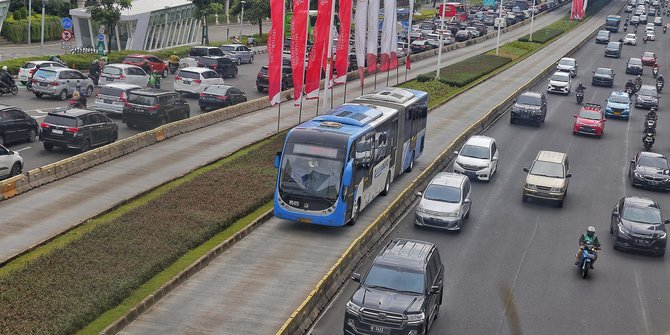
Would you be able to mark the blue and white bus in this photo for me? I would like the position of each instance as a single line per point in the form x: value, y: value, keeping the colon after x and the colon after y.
x: 334, y: 165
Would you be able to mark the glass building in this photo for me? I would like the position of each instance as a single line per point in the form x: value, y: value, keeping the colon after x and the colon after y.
x: 147, y: 25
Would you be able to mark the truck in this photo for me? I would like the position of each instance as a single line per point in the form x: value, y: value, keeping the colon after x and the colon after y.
x: 612, y: 23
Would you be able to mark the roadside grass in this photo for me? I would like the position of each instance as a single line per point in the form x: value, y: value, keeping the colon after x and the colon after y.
x: 516, y: 49
x: 435, y: 88
x: 100, y: 269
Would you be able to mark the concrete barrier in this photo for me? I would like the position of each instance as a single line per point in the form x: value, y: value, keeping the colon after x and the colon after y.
x: 8, y: 187
x: 23, y: 184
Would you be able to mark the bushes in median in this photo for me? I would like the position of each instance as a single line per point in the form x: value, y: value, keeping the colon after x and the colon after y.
x: 467, y: 71
x: 16, y: 30
x: 62, y: 291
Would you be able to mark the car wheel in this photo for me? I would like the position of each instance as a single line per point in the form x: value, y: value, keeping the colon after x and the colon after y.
x: 89, y: 91
x: 2, y: 140
x: 387, y: 186
x: 411, y: 164
x: 115, y: 136
x: 16, y: 170
x: 560, y: 203
x: 524, y: 198
x: 163, y: 121
x: 24, y: 83
x: 260, y: 89
x: 467, y: 215
x: 203, y: 108
x: 239, y: 61
x: 611, y: 229
x: 39, y: 95
x: 512, y: 120
x: 165, y: 73
x: 85, y: 146
x: 48, y: 146
x: 63, y: 95
x: 251, y: 59
x: 32, y: 136
x: 235, y: 74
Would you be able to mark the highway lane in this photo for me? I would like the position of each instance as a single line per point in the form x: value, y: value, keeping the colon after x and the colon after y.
x: 34, y: 154
x: 530, y: 247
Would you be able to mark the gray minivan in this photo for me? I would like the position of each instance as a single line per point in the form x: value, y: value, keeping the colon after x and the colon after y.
x: 60, y: 82
x: 112, y: 97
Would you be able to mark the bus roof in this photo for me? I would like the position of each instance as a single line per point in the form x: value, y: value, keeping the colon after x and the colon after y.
x: 351, y: 118
x: 393, y: 95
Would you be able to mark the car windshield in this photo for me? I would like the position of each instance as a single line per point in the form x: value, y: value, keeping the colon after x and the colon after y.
x: 655, y: 162
x: 613, y: 45
x: 312, y: 171
x: 28, y: 65
x: 106, y: 90
x: 111, y: 70
x: 134, y: 60
x: 443, y: 193
x: 631, y: 36
x: 635, y: 61
x: 649, y: 55
x: 604, y: 71
x: 59, y: 120
x: 565, y: 61
x: 603, y: 34
x: 396, y: 279
x: 547, y: 169
x: 217, y: 89
x: 642, y: 214
x: 475, y: 152
x: 619, y: 99
x: 227, y: 48
x: 46, y: 74
x: 589, y: 114
x: 142, y: 99
x: 560, y: 77
x: 529, y: 100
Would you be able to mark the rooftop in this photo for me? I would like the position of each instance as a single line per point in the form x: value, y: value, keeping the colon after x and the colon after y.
x: 138, y: 7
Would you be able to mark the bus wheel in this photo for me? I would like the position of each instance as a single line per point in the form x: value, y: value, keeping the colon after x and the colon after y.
x: 357, y: 212
x: 387, y: 186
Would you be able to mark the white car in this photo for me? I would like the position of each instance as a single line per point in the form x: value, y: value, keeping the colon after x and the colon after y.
x: 651, y: 35
x: 567, y: 64
x: 445, y: 203
x: 111, y: 98
x: 478, y: 158
x: 195, y: 80
x: 11, y: 163
x: 560, y: 82
x: 123, y: 73
x: 658, y: 21
x: 30, y: 66
x: 473, y: 31
x: 630, y: 39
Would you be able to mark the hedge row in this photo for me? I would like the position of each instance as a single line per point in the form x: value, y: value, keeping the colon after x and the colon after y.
x: 17, y: 30
x: 467, y: 71
x: 66, y: 289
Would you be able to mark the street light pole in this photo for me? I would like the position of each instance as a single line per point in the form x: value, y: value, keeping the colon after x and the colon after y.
x: 42, y: 38
x: 242, y: 18
x: 499, y: 25
x: 439, y: 52
x: 532, y: 16
x: 30, y: 16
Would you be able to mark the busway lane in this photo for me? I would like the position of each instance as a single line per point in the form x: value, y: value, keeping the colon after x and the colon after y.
x: 529, y: 247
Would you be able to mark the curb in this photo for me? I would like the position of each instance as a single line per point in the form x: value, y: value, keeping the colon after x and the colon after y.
x: 309, y: 310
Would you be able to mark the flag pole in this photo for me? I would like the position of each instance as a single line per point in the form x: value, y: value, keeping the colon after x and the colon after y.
x: 329, y: 52
x: 409, y: 35
x: 278, y: 114
x: 345, y: 90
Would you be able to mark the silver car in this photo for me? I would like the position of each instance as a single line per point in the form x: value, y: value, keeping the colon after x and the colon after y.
x: 124, y: 73
x: 112, y: 97
x: 240, y: 52
x: 445, y: 203
x: 60, y: 82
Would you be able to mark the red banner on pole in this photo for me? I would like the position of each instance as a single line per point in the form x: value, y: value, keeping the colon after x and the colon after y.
x: 299, y: 22
x: 373, y: 34
x: 275, y: 43
x: 317, y: 56
x: 577, y: 10
x: 342, y: 51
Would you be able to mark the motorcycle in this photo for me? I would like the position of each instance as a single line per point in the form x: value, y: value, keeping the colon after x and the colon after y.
x: 13, y: 89
x: 648, y: 141
x: 625, y: 28
x: 580, y: 97
x: 644, y: 39
x: 659, y: 86
x: 75, y: 103
x: 650, y: 126
x: 174, y: 67
x: 665, y: 28
x: 637, y: 87
x: 629, y: 90
x: 654, y: 71
x: 585, y: 260
x: 251, y: 42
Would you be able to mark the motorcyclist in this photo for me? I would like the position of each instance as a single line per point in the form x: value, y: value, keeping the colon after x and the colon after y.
x: 6, y: 80
x: 94, y: 71
x: 638, y: 81
x: 235, y: 40
x: 654, y: 69
x: 55, y: 58
x: 154, y: 80
x: 580, y: 88
x: 660, y: 79
x: 146, y: 67
x: 174, y: 59
x: 588, y: 239
x: 648, y: 137
x: 80, y: 97
x: 630, y: 85
x: 651, y: 115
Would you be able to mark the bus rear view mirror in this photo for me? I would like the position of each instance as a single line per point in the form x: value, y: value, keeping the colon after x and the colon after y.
x: 348, y: 170
x: 277, y: 158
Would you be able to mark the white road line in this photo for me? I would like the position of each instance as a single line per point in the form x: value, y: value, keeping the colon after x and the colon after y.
x: 19, y: 150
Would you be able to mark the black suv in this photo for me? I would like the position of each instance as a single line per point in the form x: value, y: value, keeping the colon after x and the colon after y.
x: 613, y: 49
x: 634, y: 66
x: 16, y: 125
x: 400, y: 294
x: 77, y: 129
x: 650, y: 170
x: 530, y: 106
x: 154, y: 107
x: 222, y: 65
x: 262, y: 78
x: 603, y: 76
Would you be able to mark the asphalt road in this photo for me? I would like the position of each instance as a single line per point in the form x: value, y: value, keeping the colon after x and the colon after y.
x: 530, y: 247
x: 34, y: 154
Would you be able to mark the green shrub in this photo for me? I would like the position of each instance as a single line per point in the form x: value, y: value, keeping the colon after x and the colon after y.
x: 543, y: 35
x: 467, y: 71
x: 17, y: 30
x: 424, y: 77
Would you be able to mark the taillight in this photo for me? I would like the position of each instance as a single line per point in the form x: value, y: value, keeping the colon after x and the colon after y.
x: 177, y: 78
x: 44, y: 125
x: 123, y: 96
x: 198, y: 81
x: 72, y: 130
x: 222, y: 97
x: 53, y: 83
x: 122, y: 77
x: 154, y: 108
x: 202, y: 94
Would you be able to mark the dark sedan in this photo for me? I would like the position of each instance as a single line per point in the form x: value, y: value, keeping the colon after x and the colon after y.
x: 219, y: 96
x: 16, y: 125
x: 462, y: 35
x: 637, y: 224
x: 650, y: 170
x: 603, y: 77
x: 634, y: 66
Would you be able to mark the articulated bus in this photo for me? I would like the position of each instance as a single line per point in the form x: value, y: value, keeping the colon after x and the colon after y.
x: 333, y: 166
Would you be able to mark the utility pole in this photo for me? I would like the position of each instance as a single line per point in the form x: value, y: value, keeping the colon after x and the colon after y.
x: 42, y: 38
x: 241, y: 18
x: 439, y: 52
x: 30, y: 16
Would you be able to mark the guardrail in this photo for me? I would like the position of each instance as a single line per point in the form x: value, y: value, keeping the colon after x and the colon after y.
x: 324, y: 291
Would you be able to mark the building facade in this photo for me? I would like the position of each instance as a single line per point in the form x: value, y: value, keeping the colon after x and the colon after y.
x: 147, y: 25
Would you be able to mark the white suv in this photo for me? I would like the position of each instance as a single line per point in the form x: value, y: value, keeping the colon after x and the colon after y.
x: 195, y: 80
x: 11, y: 163
x: 478, y: 158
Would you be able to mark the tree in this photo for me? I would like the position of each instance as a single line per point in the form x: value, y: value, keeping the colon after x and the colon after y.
x: 202, y: 8
x: 254, y: 10
x: 108, y: 12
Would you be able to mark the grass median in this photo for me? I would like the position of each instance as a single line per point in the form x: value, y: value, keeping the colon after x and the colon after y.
x: 107, y: 265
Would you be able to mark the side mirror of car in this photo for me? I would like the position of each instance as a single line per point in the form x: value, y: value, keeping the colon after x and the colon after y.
x: 434, y: 289
x: 632, y: 161
x: 568, y: 175
x: 456, y: 152
x: 356, y: 277
x: 666, y: 171
x: 574, y: 115
x: 467, y: 201
x: 666, y: 221
x: 594, y: 72
x: 526, y: 170
x: 277, y: 159
x: 419, y: 194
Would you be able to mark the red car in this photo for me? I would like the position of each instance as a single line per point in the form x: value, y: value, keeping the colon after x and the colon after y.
x: 649, y: 58
x: 155, y: 63
x: 590, y: 120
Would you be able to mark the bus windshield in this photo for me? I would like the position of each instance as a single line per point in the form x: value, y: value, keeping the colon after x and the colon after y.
x: 311, y: 175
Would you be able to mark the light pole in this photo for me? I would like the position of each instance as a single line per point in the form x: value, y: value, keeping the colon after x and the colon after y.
x: 42, y: 38
x: 30, y: 16
x: 500, y: 10
x: 439, y: 52
x: 532, y: 16
x: 242, y: 18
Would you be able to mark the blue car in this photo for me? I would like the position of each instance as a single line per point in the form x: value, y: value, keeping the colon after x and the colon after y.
x: 618, y: 105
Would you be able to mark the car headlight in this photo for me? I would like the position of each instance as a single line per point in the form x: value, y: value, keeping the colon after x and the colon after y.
x: 637, y: 174
x: 420, y: 209
x: 662, y: 236
x: 416, y: 317
x: 353, y: 308
x: 556, y: 189
x: 623, y: 230
x: 452, y: 214
x: 531, y: 187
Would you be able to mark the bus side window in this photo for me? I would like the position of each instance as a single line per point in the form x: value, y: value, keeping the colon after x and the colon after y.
x: 360, y: 166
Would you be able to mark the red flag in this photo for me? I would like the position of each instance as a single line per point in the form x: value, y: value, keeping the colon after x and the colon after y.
x: 342, y: 51
x: 577, y: 12
x: 387, y: 33
x: 317, y: 56
x: 275, y: 43
x: 298, y: 45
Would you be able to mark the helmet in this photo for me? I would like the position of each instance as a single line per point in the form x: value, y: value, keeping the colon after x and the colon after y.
x: 591, y: 230
x: 174, y: 53
x: 4, y: 67
x: 580, y: 84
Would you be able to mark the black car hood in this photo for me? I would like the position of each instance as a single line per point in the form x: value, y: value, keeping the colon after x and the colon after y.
x: 650, y: 171
x: 526, y: 107
x: 602, y: 76
x: 387, y: 300
x: 642, y: 228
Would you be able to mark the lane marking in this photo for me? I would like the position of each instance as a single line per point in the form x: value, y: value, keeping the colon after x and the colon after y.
x: 643, y: 310
x: 19, y: 150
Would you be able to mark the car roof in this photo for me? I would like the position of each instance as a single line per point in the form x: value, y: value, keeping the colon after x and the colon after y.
x: 141, y: 55
x: 123, y: 86
x: 617, y: 93
x: 4, y: 106
x: 550, y: 156
x: 605, y: 68
x: 407, y: 253
x: 196, y: 69
x: 639, y: 201
x: 152, y: 91
x: 568, y: 58
x: 532, y: 94
x: 58, y: 69
x: 204, y: 46
x: 71, y: 112
x: 214, y: 57
x: 480, y: 141
x: 561, y: 73
x: 648, y: 87
x: 40, y: 62
x: 448, y: 179
x: 124, y: 66
x: 651, y: 154
x: 219, y: 86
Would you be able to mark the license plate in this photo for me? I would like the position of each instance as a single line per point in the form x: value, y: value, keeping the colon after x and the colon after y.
x: 186, y: 82
x: 139, y: 110
x: 378, y: 329
x: 43, y: 84
x: 617, y: 113
x: 57, y: 131
x: 107, y: 101
x: 109, y: 79
x: 642, y: 242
